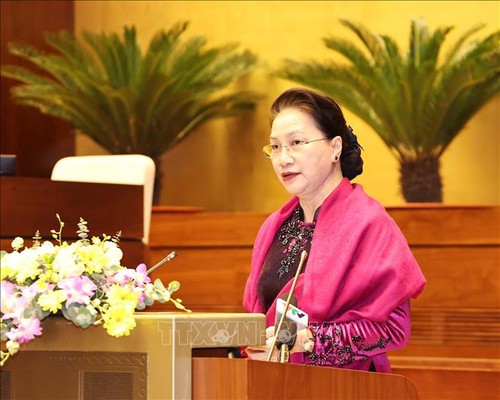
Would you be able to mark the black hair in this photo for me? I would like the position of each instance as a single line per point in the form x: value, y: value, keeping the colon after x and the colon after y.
x: 329, y: 119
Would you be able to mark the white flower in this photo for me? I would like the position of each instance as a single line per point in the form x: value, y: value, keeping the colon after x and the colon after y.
x: 17, y: 243
x: 112, y: 253
x: 65, y: 263
x: 47, y: 248
x: 21, y: 266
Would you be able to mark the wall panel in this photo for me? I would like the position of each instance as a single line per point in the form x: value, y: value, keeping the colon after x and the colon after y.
x: 38, y: 140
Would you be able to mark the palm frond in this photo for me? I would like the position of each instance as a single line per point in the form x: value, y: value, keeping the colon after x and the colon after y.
x: 74, y: 52
x: 220, y: 107
x: 352, y: 90
x: 416, y: 103
x: 382, y: 52
x: 79, y: 111
x: 462, y: 40
x: 129, y: 102
x: 371, y: 41
x: 160, y: 49
x: 25, y: 75
x: 111, y: 54
x: 474, y: 77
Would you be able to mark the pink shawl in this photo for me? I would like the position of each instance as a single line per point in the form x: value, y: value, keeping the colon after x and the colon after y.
x: 360, y: 265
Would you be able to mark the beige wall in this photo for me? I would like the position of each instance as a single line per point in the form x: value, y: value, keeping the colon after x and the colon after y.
x: 221, y: 167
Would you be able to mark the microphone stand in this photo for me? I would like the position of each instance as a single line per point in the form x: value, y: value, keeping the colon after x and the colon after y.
x: 169, y: 257
x: 284, y: 352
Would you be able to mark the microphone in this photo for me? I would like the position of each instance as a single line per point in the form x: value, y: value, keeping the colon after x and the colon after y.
x: 278, y: 328
x: 285, y: 337
x: 168, y: 258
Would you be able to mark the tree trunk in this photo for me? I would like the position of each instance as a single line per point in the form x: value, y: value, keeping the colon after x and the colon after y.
x: 421, y: 180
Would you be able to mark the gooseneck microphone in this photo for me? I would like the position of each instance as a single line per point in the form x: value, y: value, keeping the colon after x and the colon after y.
x: 278, y: 328
x: 168, y: 258
x: 286, y: 335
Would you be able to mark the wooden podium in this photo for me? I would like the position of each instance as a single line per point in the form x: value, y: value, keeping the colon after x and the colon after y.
x: 237, y: 379
x: 155, y: 362
x: 31, y: 204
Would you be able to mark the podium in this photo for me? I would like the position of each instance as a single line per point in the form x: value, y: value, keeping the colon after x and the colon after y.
x: 155, y: 362
x: 239, y: 379
x: 31, y: 204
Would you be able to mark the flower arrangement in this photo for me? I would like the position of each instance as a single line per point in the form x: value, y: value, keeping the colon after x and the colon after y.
x: 83, y: 280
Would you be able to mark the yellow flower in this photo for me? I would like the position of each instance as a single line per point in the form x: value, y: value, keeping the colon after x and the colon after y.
x: 92, y: 258
x: 52, y: 300
x: 51, y: 275
x: 41, y: 283
x: 6, y: 271
x: 119, y: 294
x: 119, y: 319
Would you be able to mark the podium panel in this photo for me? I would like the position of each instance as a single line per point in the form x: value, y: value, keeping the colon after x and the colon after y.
x: 239, y: 379
x: 154, y: 362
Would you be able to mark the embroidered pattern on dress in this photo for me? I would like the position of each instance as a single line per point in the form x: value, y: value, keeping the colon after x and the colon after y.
x: 293, y: 235
x: 331, y: 350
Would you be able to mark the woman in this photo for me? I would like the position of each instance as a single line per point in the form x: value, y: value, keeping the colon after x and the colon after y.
x: 360, y: 273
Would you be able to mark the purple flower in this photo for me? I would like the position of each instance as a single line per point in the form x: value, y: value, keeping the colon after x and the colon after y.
x: 18, y: 304
x: 27, y: 329
x: 140, y: 275
x: 12, y: 304
x: 126, y: 275
x: 141, y: 296
x: 123, y: 276
x: 7, y: 288
x: 29, y: 292
x: 78, y: 289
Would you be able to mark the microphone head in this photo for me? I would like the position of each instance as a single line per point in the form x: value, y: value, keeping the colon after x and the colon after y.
x: 288, y: 331
x: 287, y: 334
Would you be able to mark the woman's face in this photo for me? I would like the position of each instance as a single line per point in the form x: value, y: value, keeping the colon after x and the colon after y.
x: 306, y: 170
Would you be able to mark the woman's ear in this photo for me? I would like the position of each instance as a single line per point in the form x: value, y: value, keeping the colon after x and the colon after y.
x: 336, y: 144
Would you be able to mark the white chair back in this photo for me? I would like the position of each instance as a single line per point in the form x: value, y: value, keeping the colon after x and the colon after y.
x: 127, y: 169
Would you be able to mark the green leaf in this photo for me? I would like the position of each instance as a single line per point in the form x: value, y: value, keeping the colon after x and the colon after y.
x: 416, y: 102
x: 173, y: 286
x: 128, y: 101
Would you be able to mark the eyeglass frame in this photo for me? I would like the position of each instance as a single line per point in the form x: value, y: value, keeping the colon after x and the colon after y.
x: 302, y: 143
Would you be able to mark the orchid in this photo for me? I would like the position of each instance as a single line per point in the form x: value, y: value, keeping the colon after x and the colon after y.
x: 84, y: 281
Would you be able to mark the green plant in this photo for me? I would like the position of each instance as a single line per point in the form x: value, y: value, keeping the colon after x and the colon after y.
x: 417, y: 103
x: 128, y: 102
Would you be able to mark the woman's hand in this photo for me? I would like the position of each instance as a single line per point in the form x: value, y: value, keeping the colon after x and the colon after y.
x: 261, y: 353
x: 303, y: 341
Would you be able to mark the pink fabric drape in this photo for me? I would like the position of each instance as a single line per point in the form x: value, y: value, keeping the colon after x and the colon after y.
x: 359, y: 267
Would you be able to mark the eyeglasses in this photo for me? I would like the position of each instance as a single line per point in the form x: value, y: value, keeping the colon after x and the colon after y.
x: 272, y: 150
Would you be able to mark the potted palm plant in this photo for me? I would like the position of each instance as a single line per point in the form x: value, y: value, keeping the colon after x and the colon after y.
x: 127, y: 101
x: 417, y: 103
